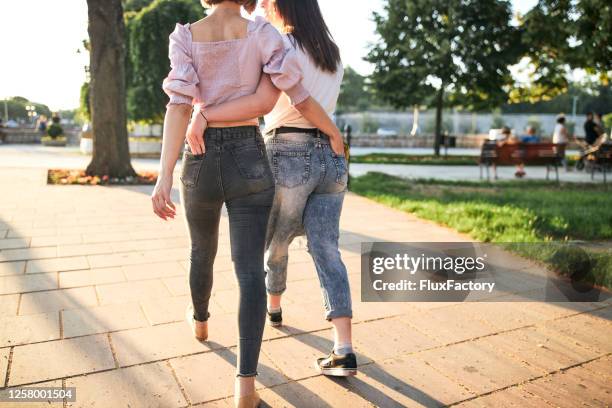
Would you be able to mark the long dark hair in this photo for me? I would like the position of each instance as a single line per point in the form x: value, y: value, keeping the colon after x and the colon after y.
x: 304, y: 21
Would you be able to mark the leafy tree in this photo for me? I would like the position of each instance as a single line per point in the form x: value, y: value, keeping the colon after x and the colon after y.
x: 135, y: 5
x: 590, y: 97
x: 106, y: 29
x: 561, y: 35
x: 444, y: 53
x: 148, y: 65
x: 85, y: 104
x: 354, y: 93
x: 16, y: 107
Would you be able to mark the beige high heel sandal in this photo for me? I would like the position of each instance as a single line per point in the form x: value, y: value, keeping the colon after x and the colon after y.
x: 199, y: 329
x: 248, y: 401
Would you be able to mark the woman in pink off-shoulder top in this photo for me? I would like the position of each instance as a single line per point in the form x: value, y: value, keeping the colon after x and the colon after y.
x: 215, y: 60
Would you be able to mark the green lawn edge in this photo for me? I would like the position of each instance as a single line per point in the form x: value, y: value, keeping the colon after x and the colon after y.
x: 529, y: 211
x: 430, y: 160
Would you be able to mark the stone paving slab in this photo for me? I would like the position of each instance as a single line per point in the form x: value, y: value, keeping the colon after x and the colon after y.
x: 317, y: 392
x: 407, y: 381
x: 90, y: 277
x: 61, y: 358
x: 478, y: 366
x: 57, y: 264
x: 149, y: 385
x: 517, y: 397
x: 540, y: 348
x: 23, y: 283
x: 56, y: 300
x: 15, y: 330
x: 95, y: 296
x: 131, y: 291
x: 12, y: 268
x: 586, y: 331
x: 102, y: 319
x: 576, y: 387
x: 8, y: 305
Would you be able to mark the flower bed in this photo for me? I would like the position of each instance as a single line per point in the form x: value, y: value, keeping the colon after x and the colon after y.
x: 68, y: 177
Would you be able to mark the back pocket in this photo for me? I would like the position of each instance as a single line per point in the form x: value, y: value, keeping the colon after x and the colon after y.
x: 291, y: 169
x: 191, y: 169
x: 250, y: 160
x: 341, y: 169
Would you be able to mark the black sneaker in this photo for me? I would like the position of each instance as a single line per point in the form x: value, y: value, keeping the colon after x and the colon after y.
x: 275, y: 319
x: 344, y: 365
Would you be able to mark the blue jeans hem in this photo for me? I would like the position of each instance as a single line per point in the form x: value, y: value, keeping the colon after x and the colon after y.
x: 339, y: 313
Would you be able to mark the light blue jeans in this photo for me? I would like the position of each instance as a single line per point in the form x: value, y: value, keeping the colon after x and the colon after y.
x: 311, y: 182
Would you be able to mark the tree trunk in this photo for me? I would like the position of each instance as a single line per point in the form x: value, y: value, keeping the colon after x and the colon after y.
x: 438, y: 136
x: 111, y: 155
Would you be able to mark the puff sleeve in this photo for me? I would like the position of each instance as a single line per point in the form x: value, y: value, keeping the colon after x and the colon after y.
x: 181, y: 84
x: 281, y: 62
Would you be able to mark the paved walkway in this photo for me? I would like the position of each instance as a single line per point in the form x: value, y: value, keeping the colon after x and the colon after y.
x: 93, y: 292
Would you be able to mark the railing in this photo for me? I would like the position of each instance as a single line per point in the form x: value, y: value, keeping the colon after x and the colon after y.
x: 33, y: 136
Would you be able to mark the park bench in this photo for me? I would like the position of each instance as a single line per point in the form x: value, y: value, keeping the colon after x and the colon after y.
x: 601, y: 160
x: 538, y: 154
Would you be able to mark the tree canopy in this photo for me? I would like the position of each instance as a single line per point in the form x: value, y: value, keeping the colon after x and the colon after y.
x: 444, y: 53
x: 147, y: 56
x: 561, y: 35
x: 16, y: 108
x: 355, y: 94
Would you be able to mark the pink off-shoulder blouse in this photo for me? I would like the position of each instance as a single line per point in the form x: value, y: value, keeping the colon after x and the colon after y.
x: 212, y: 73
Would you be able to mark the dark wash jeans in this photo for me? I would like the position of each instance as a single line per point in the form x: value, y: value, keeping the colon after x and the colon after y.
x: 311, y: 182
x: 233, y: 170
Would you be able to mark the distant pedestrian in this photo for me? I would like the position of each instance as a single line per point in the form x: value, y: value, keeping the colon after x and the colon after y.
x: 41, y: 125
x: 561, y: 137
x: 590, y: 129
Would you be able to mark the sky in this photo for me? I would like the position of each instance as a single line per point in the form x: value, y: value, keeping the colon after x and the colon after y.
x: 41, y: 40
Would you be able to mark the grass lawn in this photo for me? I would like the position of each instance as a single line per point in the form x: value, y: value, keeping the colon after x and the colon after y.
x: 398, y: 158
x: 507, y: 212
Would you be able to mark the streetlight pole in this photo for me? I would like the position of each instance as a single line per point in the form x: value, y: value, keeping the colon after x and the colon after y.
x: 6, y: 110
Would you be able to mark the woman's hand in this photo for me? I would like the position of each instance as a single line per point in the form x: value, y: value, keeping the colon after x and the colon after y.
x: 162, y: 204
x: 195, y: 132
x: 337, y: 144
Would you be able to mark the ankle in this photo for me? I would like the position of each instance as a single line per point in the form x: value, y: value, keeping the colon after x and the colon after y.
x: 341, y: 349
x: 274, y: 303
x: 274, y: 309
x: 244, y: 386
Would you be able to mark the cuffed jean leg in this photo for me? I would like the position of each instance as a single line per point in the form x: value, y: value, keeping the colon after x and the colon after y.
x: 322, y: 223
x: 248, y: 219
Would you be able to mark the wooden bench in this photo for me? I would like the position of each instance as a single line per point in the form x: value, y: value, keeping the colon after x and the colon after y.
x: 600, y: 159
x: 538, y: 154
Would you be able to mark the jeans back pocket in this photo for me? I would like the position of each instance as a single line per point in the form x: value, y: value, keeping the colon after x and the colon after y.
x: 291, y: 168
x: 190, y: 172
x: 341, y: 169
x: 251, y: 160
